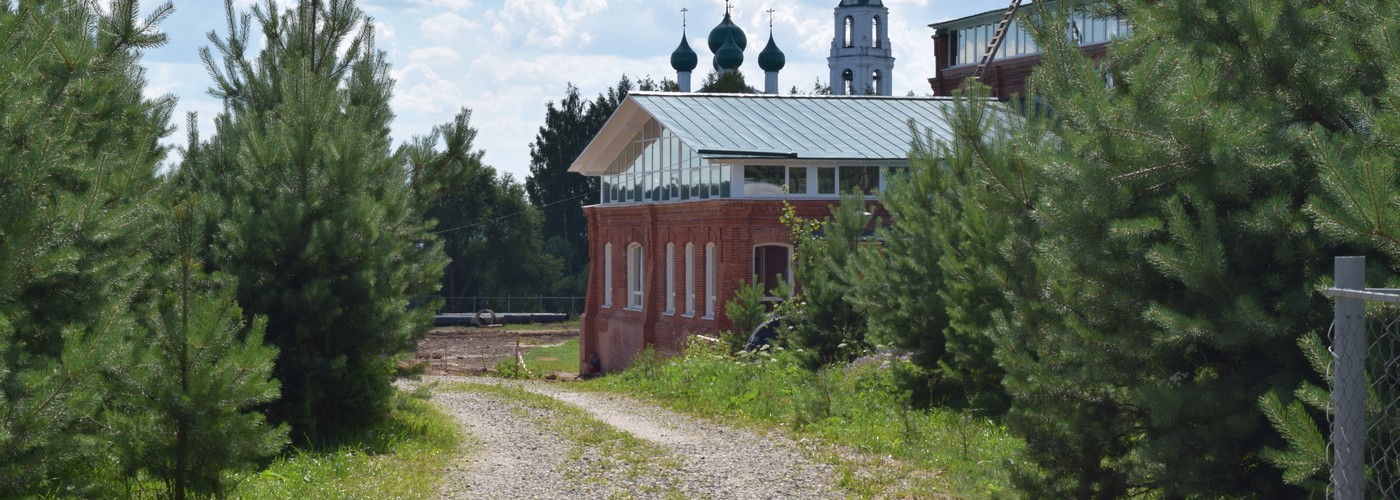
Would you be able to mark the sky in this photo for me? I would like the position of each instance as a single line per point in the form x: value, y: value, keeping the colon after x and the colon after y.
x: 505, y: 59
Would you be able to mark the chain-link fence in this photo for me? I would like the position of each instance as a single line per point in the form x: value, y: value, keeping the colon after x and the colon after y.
x: 572, y: 306
x: 1364, y: 450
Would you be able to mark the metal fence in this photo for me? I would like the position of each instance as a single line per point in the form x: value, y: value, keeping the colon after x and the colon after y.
x: 1364, y: 449
x: 572, y: 306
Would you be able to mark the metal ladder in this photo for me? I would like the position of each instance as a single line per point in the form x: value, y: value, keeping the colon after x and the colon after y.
x: 997, y: 37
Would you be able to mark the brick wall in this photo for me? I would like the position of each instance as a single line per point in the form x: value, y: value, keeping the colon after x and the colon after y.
x: 617, y: 333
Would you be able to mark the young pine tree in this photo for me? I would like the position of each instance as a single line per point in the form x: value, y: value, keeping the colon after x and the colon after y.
x: 78, y: 160
x: 188, y: 413
x: 319, y: 225
x: 825, y: 324
x: 1174, y: 263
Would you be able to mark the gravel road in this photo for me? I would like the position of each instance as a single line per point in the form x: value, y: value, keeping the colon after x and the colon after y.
x: 514, y: 457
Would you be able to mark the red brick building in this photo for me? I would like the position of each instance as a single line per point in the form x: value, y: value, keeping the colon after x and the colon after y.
x: 959, y: 44
x: 692, y: 189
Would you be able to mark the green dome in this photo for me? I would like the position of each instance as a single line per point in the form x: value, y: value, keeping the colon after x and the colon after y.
x: 771, y: 59
x: 727, y: 29
x: 729, y: 56
x: 684, y: 58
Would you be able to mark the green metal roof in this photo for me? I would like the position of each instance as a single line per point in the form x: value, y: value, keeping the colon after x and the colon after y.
x: 815, y: 127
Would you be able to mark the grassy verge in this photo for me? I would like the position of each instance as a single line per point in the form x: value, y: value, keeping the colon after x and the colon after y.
x: 542, y: 361
x: 616, y: 451
x: 402, y: 458
x: 535, y: 327
x: 927, y: 453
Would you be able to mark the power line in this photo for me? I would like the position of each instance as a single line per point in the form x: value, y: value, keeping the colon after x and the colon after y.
x: 507, y: 216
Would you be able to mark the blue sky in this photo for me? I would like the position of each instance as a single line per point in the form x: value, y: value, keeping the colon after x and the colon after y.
x: 504, y: 59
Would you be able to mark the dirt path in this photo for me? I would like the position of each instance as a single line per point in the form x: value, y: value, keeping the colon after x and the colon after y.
x: 514, y: 457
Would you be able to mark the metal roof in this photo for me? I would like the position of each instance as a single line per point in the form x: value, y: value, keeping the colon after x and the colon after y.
x: 758, y: 125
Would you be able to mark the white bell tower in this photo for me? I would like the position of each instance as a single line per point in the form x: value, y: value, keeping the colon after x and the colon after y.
x: 860, y: 59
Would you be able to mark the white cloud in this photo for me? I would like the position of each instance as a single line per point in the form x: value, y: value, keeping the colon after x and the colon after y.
x: 433, y: 55
x: 451, y: 4
x: 546, y: 24
x: 447, y: 26
x: 421, y: 90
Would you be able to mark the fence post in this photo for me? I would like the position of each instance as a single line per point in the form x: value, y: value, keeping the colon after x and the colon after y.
x: 1349, y: 383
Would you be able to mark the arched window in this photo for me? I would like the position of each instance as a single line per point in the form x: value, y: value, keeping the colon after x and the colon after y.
x: 690, y: 279
x: 710, y: 280
x: 635, y: 276
x: 772, y: 267
x: 849, y: 32
x: 875, y: 81
x: 848, y: 86
x: 670, y: 278
x: 877, y: 32
x: 607, y: 275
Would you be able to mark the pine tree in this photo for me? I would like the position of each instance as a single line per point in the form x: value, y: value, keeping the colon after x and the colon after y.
x: 319, y: 226
x: 187, y: 412
x: 78, y: 160
x: 824, y: 322
x: 1173, y: 263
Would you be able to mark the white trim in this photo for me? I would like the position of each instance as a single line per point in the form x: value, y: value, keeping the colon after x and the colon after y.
x: 670, y: 278
x: 690, y: 280
x: 711, y: 261
x: 636, y: 276
x: 607, y: 275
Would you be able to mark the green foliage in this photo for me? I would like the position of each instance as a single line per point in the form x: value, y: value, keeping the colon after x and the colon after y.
x: 187, y: 412
x: 862, y: 405
x: 824, y: 322
x: 747, y: 310
x: 726, y: 82
x: 490, y: 231
x: 1151, y: 237
x: 561, y: 195
x: 924, y: 287
x: 403, y: 456
x: 318, y: 222
x: 78, y: 162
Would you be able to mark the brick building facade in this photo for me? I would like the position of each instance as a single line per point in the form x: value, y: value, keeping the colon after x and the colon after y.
x: 693, y: 187
x: 960, y: 43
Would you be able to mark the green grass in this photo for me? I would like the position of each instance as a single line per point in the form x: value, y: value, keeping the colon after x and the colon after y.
x: 531, y: 327
x: 591, y: 439
x: 542, y: 361
x: 404, y: 457
x: 905, y: 452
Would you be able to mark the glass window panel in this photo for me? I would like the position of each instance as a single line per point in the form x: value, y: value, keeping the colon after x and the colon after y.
x: 763, y: 180
x: 863, y: 179
x: 724, y: 174
x: 826, y: 180
x: 797, y: 180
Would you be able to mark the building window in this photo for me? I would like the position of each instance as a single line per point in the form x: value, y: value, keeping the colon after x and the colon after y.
x: 764, y: 180
x: 772, y: 267
x: 848, y: 86
x: 635, y: 278
x: 876, y: 31
x: 670, y: 278
x: 607, y: 275
x: 709, y: 280
x: 797, y: 180
x: 863, y: 179
x: 849, y: 32
x: 826, y: 180
x: 875, y: 81
x: 690, y: 279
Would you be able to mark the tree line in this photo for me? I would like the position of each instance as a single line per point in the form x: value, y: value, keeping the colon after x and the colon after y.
x: 162, y: 327
x: 1125, y: 265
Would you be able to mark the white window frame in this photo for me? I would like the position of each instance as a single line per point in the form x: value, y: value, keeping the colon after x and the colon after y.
x: 607, y: 275
x: 710, y: 265
x: 670, y: 278
x: 636, y: 270
x: 690, y: 280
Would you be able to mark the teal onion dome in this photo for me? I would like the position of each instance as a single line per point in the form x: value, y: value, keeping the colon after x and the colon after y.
x: 684, y: 58
x: 729, y: 56
x: 726, y: 30
x: 771, y: 59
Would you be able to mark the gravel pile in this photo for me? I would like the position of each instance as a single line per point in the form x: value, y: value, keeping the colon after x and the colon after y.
x: 515, y: 458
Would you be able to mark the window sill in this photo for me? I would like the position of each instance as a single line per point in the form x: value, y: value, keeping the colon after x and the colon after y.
x: 633, y: 308
x: 709, y: 317
x: 688, y: 315
x: 669, y: 312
